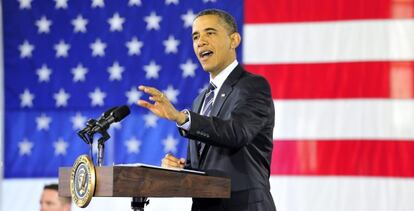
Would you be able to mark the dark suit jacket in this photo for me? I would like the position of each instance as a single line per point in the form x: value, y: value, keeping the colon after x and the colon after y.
x: 238, y: 137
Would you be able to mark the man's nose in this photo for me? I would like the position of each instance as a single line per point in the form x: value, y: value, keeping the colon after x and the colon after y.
x: 201, y: 42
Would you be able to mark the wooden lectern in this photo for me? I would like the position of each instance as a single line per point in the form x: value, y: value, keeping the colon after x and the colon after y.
x: 139, y: 181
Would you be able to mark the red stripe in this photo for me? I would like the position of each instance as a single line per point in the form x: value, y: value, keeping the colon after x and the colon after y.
x: 388, y: 158
x: 271, y: 11
x: 339, y: 80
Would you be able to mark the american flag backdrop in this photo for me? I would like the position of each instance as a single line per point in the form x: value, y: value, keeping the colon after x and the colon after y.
x: 341, y: 74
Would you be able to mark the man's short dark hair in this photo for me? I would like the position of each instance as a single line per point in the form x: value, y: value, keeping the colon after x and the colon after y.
x: 51, y: 187
x: 55, y: 187
x: 223, y: 15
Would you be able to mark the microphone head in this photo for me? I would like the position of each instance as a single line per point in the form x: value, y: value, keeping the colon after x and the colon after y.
x: 108, y: 112
x: 120, y: 113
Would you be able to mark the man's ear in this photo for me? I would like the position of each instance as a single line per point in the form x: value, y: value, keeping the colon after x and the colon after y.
x: 235, y: 40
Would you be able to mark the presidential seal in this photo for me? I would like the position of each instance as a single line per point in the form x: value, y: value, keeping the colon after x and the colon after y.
x: 82, y: 181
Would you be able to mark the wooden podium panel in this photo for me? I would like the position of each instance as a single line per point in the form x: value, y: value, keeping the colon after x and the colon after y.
x: 128, y: 181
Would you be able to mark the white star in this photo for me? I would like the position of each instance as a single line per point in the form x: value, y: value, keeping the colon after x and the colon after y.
x: 98, y: 3
x: 133, y: 95
x: 60, y: 147
x: 62, y: 49
x: 116, y: 125
x: 78, y: 121
x: 79, y: 24
x: 116, y: 22
x: 61, y: 98
x: 97, y: 97
x: 25, y: 4
x: 43, y: 25
x: 206, y: 1
x: 134, y: 46
x: 44, y: 73
x: 171, y: 45
x: 61, y: 4
x: 153, y: 21
x: 134, y: 2
x: 115, y: 72
x: 79, y: 73
x: 133, y: 145
x: 167, y: 2
x: 43, y: 122
x: 25, y: 147
x: 26, y: 99
x: 98, y: 48
x: 188, y: 18
x: 188, y: 68
x: 150, y: 120
x: 152, y: 70
x: 170, y: 144
x: 26, y: 49
x: 171, y: 93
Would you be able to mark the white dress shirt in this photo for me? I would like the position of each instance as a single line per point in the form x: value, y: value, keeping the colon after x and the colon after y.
x: 218, y: 81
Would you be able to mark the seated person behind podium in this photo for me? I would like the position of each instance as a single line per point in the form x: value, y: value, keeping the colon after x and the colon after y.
x: 230, y: 126
x: 50, y: 200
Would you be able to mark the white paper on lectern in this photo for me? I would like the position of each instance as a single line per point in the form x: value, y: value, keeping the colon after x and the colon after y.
x: 159, y: 167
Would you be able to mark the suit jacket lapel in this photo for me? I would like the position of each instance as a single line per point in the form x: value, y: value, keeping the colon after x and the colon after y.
x: 195, y: 158
x: 226, y: 90
x: 199, y: 101
x: 221, y: 97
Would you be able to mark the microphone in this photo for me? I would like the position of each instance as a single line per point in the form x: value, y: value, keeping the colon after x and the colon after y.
x: 90, y: 124
x: 115, y: 115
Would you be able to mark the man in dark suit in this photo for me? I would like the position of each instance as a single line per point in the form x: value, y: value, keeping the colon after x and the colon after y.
x: 230, y: 126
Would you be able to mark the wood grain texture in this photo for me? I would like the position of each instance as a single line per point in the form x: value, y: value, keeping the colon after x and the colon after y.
x: 123, y: 181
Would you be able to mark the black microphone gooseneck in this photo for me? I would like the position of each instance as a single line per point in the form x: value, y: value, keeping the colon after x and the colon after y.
x: 114, y: 114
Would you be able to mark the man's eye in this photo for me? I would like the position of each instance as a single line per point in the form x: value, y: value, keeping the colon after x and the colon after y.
x: 195, y: 37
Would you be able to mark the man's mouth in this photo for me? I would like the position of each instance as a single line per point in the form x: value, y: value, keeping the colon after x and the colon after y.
x: 205, y: 54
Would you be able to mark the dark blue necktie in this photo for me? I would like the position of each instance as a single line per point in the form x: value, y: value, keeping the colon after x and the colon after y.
x: 208, y: 100
x: 206, y: 110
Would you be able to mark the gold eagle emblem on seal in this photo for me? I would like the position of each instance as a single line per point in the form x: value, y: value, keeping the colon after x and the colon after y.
x: 82, y: 181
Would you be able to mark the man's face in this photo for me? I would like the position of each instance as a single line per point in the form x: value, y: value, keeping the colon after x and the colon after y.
x: 50, y: 201
x: 213, y: 45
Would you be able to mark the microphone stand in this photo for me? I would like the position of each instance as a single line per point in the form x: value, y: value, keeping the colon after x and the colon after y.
x: 101, y: 146
x: 138, y: 203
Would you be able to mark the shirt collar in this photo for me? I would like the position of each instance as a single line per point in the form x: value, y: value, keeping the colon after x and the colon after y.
x: 222, y: 76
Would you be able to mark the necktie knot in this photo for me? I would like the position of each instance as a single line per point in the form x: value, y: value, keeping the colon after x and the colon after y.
x: 211, y: 87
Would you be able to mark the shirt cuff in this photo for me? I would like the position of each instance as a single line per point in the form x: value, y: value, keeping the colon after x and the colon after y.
x: 186, y: 125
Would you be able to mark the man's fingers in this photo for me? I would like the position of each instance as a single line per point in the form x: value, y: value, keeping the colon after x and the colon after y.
x: 156, y: 98
x: 144, y: 103
x: 150, y: 90
x: 170, y: 163
x: 171, y: 157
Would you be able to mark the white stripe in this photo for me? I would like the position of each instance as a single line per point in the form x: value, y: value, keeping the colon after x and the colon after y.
x: 344, y: 119
x: 375, y: 40
x: 24, y: 194
x: 342, y: 193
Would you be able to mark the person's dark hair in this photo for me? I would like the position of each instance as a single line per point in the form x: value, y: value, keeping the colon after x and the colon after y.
x: 223, y: 15
x: 53, y: 186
